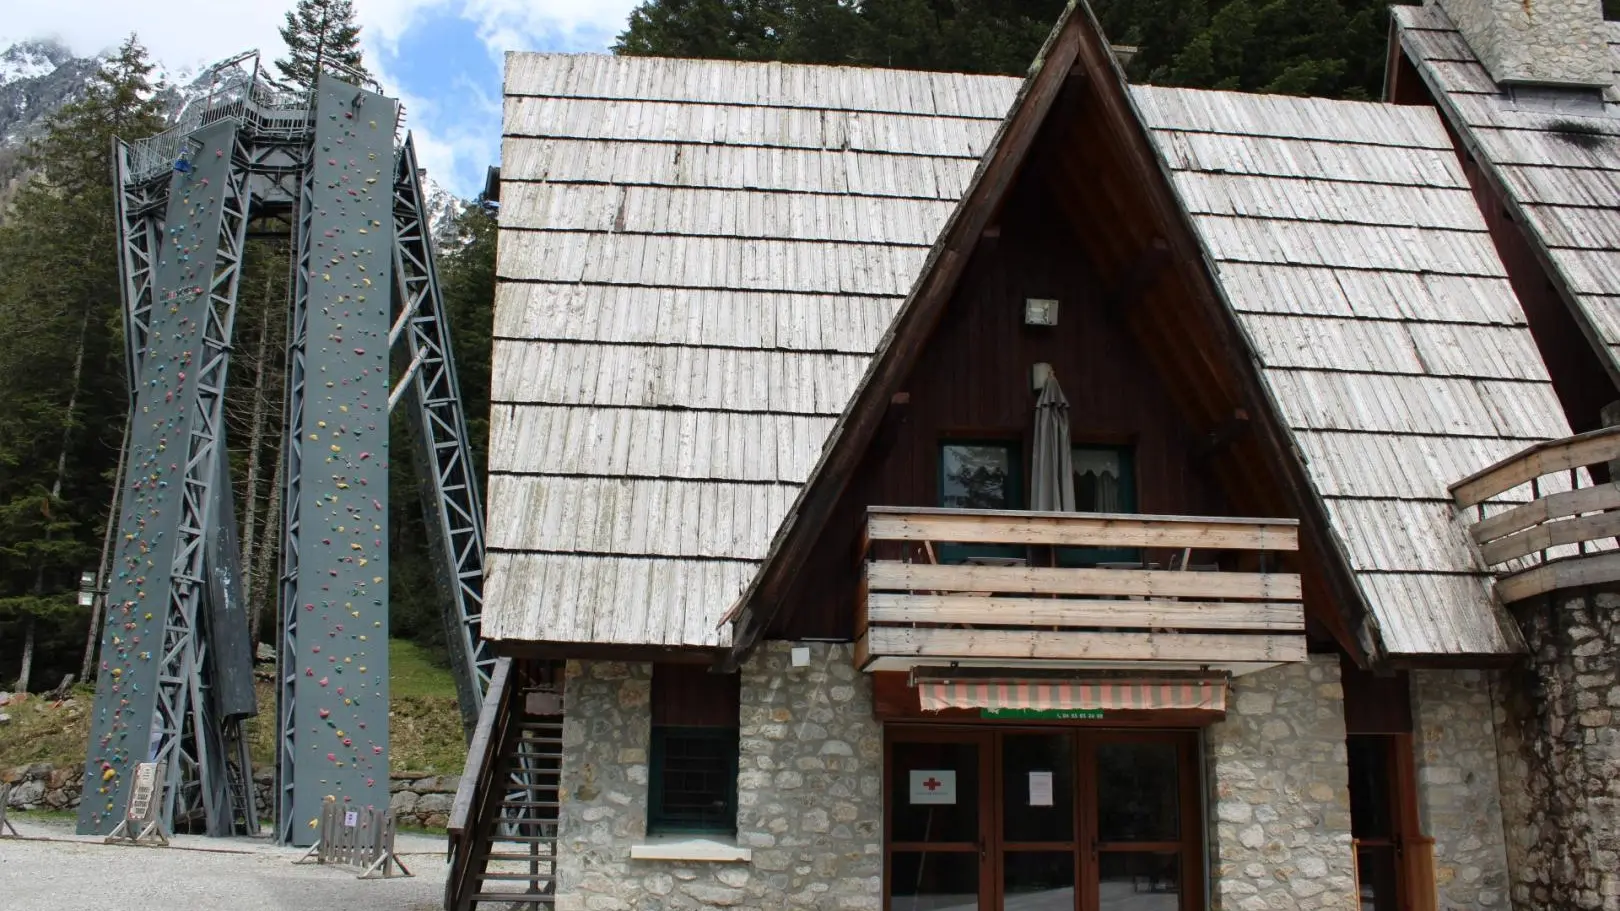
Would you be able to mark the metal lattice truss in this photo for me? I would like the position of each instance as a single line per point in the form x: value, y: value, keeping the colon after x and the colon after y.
x: 428, y: 387
x: 188, y: 740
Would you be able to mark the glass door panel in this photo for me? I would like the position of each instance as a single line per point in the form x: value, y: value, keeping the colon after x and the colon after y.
x: 1037, y: 881
x: 1037, y: 788
x: 1138, y: 792
x: 933, y: 881
x: 1138, y: 881
x: 936, y: 793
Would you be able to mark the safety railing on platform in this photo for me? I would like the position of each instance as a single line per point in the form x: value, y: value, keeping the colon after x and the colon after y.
x: 1541, y: 518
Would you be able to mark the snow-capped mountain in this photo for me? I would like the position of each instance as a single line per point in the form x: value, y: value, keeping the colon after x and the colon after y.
x: 37, y: 77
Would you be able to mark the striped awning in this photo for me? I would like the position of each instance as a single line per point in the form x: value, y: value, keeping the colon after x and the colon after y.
x: 1056, y: 696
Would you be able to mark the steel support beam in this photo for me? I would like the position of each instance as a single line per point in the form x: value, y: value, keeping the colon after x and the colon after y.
x: 454, y: 512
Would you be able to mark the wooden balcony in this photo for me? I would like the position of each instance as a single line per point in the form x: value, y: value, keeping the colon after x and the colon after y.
x: 1198, y: 594
x: 1540, y: 520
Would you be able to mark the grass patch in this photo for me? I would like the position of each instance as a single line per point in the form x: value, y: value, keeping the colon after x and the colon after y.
x: 424, y: 721
x: 41, y: 731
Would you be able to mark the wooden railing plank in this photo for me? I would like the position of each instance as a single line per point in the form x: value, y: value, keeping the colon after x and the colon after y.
x: 1068, y: 645
x: 1540, y: 459
x: 885, y: 575
x: 968, y: 609
x: 1552, y: 534
x: 1570, y: 572
x: 1082, y: 529
x: 1552, y: 506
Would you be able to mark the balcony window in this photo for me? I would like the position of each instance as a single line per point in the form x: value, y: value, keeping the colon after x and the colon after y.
x: 1104, y: 481
x: 981, y: 475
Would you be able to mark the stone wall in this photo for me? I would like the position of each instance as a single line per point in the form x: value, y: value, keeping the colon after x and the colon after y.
x: 43, y: 787
x: 420, y: 800
x: 808, y: 792
x: 1279, y: 793
x: 1560, y: 755
x: 1458, y: 788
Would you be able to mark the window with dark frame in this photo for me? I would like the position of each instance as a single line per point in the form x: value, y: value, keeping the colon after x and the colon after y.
x: 980, y: 474
x: 692, y: 786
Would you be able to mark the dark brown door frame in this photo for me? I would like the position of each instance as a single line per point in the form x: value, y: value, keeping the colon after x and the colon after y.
x: 1086, y: 845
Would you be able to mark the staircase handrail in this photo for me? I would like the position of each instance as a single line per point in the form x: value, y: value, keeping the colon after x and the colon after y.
x: 482, y: 758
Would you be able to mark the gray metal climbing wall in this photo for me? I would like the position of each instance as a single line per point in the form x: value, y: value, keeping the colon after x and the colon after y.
x: 148, y: 704
x: 333, y: 718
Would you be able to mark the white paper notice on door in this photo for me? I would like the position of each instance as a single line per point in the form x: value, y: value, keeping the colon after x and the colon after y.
x: 937, y: 786
x: 1040, y: 789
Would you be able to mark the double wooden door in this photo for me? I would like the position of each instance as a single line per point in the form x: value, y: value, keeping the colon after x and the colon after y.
x: 1041, y: 819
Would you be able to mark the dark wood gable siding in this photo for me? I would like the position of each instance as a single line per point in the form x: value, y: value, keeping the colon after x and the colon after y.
x: 972, y: 381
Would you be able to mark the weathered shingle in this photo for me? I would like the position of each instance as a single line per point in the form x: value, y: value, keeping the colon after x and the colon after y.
x: 1560, y: 169
x: 696, y: 262
x: 1347, y: 240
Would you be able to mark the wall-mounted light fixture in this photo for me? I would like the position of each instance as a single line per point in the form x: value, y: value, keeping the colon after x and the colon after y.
x: 1040, y: 311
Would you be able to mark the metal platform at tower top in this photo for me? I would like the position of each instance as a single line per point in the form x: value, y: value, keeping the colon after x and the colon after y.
x: 367, y: 333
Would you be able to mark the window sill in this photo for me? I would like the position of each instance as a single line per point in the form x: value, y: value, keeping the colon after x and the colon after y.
x: 692, y: 848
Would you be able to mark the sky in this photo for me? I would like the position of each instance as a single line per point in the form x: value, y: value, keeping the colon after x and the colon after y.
x: 442, y: 58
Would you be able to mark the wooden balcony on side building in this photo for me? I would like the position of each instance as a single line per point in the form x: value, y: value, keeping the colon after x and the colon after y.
x: 1006, y: 589
x: 1540, y: 520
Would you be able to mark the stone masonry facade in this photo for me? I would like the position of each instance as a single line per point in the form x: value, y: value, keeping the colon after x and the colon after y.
x: 1279, y: 793
x: 809, y: 806
x: 1454, y: 722
x: 1560, y: 755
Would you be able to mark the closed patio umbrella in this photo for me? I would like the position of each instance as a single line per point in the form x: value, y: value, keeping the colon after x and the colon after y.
x: 1052, y: 488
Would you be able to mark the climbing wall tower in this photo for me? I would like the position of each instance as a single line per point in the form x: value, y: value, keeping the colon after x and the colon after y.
x: 175, y: 682
x: 333, y: 719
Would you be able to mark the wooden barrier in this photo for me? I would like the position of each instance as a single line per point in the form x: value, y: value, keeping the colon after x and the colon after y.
x: 356, y: 837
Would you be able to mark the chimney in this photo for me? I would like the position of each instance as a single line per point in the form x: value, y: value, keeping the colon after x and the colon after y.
x: 1559, y: 43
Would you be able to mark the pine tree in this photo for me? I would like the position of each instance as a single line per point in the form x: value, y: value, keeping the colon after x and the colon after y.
x: 61, y: 360
x: 319, y: 33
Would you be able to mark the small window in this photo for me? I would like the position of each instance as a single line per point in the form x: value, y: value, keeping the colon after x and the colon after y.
x: 979, y: 475
x: 693, y: 756
x: 1611, y: 10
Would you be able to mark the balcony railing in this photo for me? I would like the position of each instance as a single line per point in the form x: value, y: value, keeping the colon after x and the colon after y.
x: 1198, y: 593
x: 1541, y: 521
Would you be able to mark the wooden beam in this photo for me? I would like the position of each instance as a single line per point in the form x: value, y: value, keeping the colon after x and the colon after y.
x: 1568, y: 572
x: 1552, y: 506
x: 1255, y: 615
x: 1541, y: 459
x: 884, y: 575
x: 1552, y: 534
x: 914, y: 325
x: 1081, y: 529
x: 1197, y: 648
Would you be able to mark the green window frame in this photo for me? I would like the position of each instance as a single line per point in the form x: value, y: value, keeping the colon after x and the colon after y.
x: 1126, y: 495
x: 692, y: 781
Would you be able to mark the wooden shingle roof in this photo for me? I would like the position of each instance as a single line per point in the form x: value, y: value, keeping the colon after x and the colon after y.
x: 696, y: 261
x: 1559, y: 166
x: 1347, y: 241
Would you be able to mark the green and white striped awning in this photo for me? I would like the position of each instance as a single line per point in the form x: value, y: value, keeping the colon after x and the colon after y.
x: 1073, y: 695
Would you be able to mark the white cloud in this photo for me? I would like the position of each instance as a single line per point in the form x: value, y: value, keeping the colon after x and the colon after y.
x: 457, y: 130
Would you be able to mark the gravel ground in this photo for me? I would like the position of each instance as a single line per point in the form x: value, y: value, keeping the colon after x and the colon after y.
x: 51, y: 869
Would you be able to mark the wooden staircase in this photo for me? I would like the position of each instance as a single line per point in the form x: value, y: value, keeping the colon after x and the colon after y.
x: 503, y: 827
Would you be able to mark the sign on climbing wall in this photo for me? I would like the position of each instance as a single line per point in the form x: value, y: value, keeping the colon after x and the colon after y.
x: 335, y: 638
x: 128, y: 720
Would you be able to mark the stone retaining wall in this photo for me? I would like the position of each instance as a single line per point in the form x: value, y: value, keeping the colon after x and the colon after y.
x: 1560, y: 755
x: 420, y: 800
